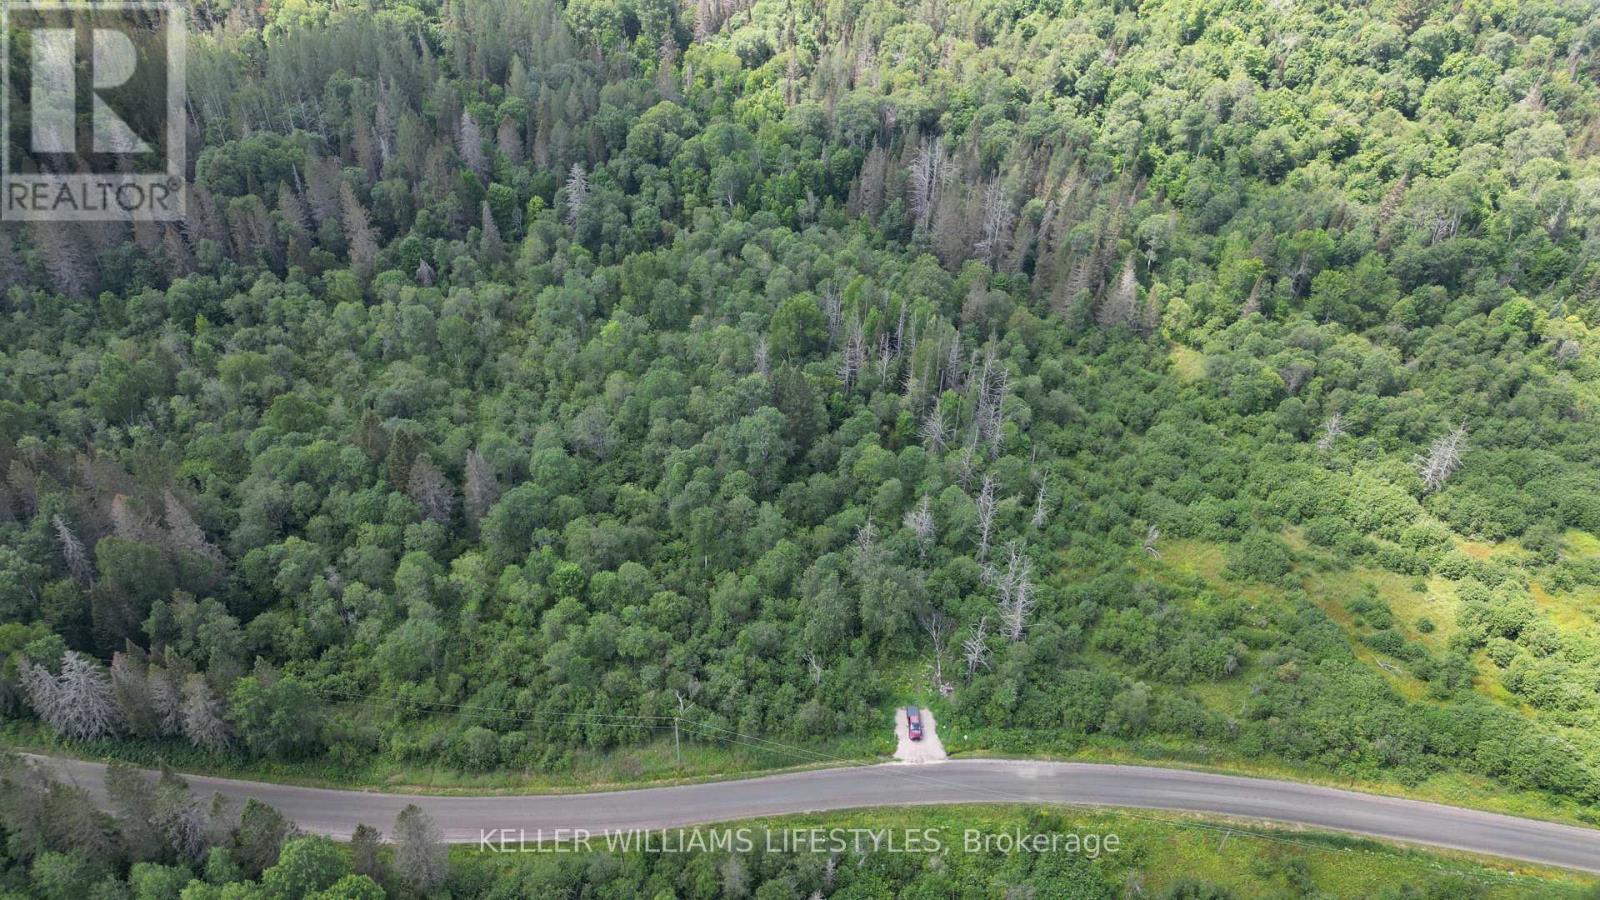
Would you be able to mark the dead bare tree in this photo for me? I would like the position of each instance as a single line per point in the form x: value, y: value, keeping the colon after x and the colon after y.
x: 182, y: 531
x: 813, y: 665
x: 975, y: 649
x: 967, y: 466
x: 1443, y: 459
x: 176, y: 813
x: 482, y: 488
x: 833, y: 310
x: 935, y: 433
x: 1120, y: 307
x: 204, y: 721
x: 866, y: 555
x: 577, y: 193
x: 937, y: 626
x: 432, y: 491
x: 421, y: 857
x: 854, y: 353
x: 986, y: 507
x: 997, y: 220
x: 927, y: 172
x: 1014, y: 590
x: 73, y: 552
x: 1041, y: 509
x: 469, y: 143
x: 79, y: 703
x: 166, y: 700
x: 993, y: 385
x: 866, y: 536
x: 762, y: 358
x: 1332, y: 430
x: 920, y: 521
x: 1151, y: 535
x: 950, y: 375
x: 129, y: 523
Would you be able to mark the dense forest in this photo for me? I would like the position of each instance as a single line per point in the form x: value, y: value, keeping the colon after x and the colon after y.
x: 529, y: 376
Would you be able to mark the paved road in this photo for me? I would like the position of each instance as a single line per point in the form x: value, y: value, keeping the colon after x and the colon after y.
x: 465, y: 819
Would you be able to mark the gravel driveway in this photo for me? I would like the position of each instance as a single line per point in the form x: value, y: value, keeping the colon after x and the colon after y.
x: 927, y: 750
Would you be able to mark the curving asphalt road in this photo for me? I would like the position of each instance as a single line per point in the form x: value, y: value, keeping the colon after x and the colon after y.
x: 467, y: 819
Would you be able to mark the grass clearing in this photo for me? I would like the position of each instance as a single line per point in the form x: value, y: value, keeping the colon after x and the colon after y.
x: 1581, y: 544
x: 1573, y: 612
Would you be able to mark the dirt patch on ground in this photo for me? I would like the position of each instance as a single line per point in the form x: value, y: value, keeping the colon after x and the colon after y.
x: 927, y: 750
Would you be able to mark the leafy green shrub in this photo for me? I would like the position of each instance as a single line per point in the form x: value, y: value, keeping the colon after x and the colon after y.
x: 477, y: 749
x: 1259, y: 556
x: 1387, y: 640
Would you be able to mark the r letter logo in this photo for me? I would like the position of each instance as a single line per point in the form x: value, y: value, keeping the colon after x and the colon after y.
x: 92, y: 111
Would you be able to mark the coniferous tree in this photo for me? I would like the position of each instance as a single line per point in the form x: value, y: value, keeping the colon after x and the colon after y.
x: 362, y: 238
x: 79, y: 703
x: 421, y: 857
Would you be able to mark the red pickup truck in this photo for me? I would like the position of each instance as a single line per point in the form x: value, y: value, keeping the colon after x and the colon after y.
x: 914, y: 723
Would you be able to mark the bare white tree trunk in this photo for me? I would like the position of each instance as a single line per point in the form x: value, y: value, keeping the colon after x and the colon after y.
x: 1041, y: 508
x: 920, y: 521
x: 833, y: 310
x: 975, y: 649
x: 1151, y: 535
x: 813, y: 665
x: 763, y: 358
x: 73, y: 552
x: 986, y: 507
x: 969, y: 462
x: 937, y: 626
x: 854, y: 354
x: 1332, y: 430
x: 996, y: 385
x: 1443, y: 459
x: 997, y: 220
x: 927, y: 171
x: 950, y: 375
x: 1014, y: 588
x: 934, y: 430
x: 577, y: 193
